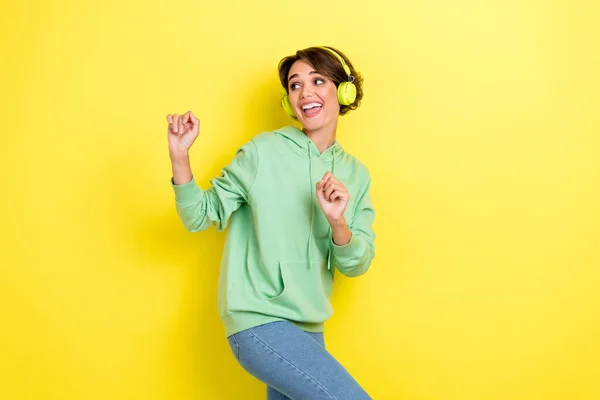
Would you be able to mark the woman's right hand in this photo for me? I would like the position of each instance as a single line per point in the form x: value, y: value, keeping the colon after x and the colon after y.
x: 182, y: 132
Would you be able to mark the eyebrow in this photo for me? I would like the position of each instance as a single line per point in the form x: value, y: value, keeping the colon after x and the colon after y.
x: 296, y: 75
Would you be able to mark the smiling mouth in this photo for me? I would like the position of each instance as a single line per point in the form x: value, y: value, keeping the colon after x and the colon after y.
x: 311, y: 109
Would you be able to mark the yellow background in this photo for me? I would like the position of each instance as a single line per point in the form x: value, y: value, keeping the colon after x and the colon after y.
x: 480, y: 126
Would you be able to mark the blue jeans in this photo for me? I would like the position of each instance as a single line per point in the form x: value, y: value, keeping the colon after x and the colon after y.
x: 293, y: 363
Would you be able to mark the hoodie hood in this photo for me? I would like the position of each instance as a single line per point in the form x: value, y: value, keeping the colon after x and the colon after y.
x: 304, y: 145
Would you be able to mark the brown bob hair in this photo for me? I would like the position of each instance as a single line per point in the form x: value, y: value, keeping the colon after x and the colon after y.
x: 326, y: 64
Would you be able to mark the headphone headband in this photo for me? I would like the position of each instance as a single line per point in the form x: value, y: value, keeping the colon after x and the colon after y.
x: 344, y: 65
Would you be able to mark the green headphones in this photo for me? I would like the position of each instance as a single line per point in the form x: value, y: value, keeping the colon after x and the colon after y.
x: 346, y: 91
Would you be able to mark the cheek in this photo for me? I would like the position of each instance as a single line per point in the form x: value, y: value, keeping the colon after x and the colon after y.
x: 293, y: 96
x: 332, y: 94
x: 332, y: 100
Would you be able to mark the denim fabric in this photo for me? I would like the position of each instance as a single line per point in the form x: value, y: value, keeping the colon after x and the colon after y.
x: 293, y: 363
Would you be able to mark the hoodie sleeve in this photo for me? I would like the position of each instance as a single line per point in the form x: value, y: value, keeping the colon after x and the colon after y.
x: 198, y: 209
x: 354, y: 258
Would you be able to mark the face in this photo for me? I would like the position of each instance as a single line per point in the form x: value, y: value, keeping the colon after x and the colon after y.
x: 312, y: 96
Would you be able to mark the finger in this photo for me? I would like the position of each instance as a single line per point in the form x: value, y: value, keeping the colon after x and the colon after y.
x: 324, y: 181
x: 324, y: 187
x: 334, y: 179
x: 331, y: 184
x: 175, y: 122
x: 340, y: 195
x: 323, y: 178
x: 331, y: 178
x: 187, y: 127
x: 186, y: 124
x: 320, y: 194
x: 333, y: 196
x: 327, y: 192
x: 195, y: 123
x: 170, y: 123
x: 343, y: 195
x: 180, y: 125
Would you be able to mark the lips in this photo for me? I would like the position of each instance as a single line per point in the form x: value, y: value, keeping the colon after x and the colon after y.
x: 312, y: 109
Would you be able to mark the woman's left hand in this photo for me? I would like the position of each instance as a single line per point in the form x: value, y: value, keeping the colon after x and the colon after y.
x: 333, y: 198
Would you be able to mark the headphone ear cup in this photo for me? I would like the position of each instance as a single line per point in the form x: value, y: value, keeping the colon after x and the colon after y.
x: 285, y: 103
x: 346, y: 93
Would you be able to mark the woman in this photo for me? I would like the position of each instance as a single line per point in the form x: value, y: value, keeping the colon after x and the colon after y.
x: 298, y: 207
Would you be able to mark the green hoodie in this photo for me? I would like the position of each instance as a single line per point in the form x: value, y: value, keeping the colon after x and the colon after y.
x: 279, y: 258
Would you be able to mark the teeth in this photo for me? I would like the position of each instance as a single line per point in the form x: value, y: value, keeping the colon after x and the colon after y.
x: 311, y: 105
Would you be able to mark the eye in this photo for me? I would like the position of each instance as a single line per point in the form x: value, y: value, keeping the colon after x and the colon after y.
x: 319, y: 81
x: 294, y: 85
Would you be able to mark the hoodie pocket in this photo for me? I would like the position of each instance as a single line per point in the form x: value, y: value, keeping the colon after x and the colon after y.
x: 306, y: 290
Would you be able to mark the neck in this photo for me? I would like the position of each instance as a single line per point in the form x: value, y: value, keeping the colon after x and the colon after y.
x: 322, y: 137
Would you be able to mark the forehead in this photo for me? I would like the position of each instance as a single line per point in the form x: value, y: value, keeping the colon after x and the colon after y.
x: 300, y: 67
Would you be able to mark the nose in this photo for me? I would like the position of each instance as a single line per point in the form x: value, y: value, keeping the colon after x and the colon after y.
x: 305, y: 92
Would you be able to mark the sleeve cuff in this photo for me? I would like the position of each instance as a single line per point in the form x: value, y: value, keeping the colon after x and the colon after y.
x: 187, y: 193
x: 349, y: 250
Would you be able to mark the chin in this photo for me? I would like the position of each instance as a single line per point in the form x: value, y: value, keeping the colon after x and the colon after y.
x: 313, y: 124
